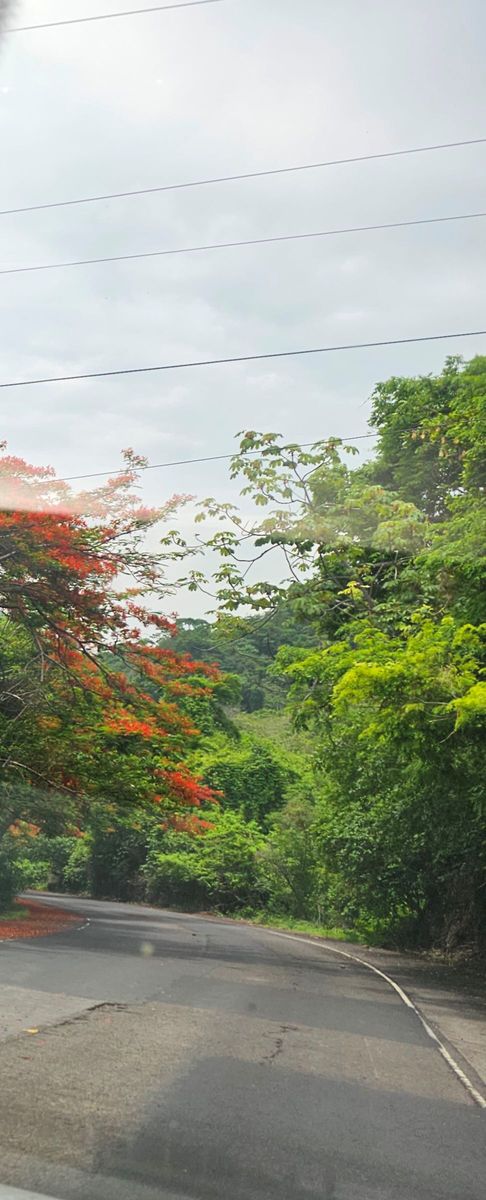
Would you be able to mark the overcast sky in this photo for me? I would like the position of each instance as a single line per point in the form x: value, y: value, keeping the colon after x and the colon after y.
x: 223, y: 88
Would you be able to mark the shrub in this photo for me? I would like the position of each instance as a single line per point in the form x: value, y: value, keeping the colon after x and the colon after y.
x: 176, y: 879
x: 77, y: 868
x: 289, y: 863
x: 221, y: 870
x: 33, y: 874
x: 59, y: 850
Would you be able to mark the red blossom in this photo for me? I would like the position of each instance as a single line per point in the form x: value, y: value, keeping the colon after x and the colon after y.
x: 188, y: 788
x: 63, y: 556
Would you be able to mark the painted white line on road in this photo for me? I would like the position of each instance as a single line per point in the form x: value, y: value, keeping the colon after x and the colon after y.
x: 451, y: 1062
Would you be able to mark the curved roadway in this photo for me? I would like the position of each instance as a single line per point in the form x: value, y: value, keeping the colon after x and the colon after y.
x: 174, y: 1057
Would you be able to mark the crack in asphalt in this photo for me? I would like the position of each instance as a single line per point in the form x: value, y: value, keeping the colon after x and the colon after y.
x: 74, y: 1019
x: 279, y: 1043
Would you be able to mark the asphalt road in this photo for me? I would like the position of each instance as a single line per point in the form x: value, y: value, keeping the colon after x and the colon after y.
x: 184, y: 1058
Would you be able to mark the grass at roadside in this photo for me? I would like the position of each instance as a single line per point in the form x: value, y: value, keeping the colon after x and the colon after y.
x: 291, y: 925
x: 16, y: 913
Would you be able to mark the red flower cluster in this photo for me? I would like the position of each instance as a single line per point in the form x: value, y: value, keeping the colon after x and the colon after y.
x: 62, y: 557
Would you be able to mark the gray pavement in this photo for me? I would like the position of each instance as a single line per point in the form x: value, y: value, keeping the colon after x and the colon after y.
x: 452, y: 998
x: 184, y: 1058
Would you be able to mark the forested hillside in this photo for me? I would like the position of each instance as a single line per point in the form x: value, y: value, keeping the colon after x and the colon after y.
x: 247, y: 649
x: 315, y: 752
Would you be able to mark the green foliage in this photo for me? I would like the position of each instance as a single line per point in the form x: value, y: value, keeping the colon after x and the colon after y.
x: 11, y: 879
x: 41, y: 852
x: 432, y: 435
x: 115, y: 853
x: 76, y: 875
x: 208, y: 709
x: 33, y: 874
x: 276, y: 727
x: 176, y: 879
x: 219, y: 870
x: 290, y: 864
x: 387, y: 562
x: 401, y: 823
x: 244, y: 648
x: 314, y: 929
x: 360, y: 806
x: 253, y: 774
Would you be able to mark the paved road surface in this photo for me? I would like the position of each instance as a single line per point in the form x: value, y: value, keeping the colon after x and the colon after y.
x: 182, y: 1058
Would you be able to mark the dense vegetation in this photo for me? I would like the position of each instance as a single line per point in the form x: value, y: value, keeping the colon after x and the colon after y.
x: 329, y: 768
x: 92, y: 716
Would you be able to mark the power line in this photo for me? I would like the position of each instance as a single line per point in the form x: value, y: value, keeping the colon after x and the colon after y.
x: 239, y: 358
x: 131, y: 12
x: 264, y: 241
x: 171, y: 187
x: 185, y: 462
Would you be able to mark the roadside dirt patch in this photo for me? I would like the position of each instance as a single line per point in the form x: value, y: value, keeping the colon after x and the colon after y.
x: 36, y: 920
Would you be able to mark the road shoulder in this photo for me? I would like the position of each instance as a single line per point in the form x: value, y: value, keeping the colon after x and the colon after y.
x: 451, y: 1000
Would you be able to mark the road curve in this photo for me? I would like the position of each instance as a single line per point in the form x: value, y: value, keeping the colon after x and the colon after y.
x: 184, y: 1058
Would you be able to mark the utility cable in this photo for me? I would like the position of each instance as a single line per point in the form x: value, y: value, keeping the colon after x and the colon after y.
x: 193, y: 183
x: 263, y: 241
x: 186, y: 462
x: 131, y: 12
x: 239, y: 358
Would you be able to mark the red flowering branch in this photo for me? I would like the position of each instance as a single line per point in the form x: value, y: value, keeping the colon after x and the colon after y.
x: 108, y: 694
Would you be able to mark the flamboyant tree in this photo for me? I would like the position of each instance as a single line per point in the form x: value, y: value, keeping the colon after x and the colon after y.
x: 90, y: 703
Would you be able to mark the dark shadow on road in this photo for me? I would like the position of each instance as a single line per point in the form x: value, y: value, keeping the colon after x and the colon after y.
x: 232, y: 1130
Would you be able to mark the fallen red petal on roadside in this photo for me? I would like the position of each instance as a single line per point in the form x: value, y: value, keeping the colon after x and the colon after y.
x: 41, y: 920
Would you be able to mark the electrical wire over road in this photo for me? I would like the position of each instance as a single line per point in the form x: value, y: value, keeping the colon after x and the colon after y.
x: 263, y: 241
x: 131, y: 12
x: 240, y: 358
x: 193, y: 183
x: 189, y: 462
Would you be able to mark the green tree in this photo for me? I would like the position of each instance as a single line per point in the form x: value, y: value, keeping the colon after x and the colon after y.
x: 386, y: 561
x: 290, y: 864
x: 400, y: 723
x: 253, y: 774
x: 432, y: 433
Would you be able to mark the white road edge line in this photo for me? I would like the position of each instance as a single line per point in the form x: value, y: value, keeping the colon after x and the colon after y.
x: 451, y: 1062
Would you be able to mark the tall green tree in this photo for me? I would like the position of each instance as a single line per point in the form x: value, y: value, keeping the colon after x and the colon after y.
x: 400, y: 724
